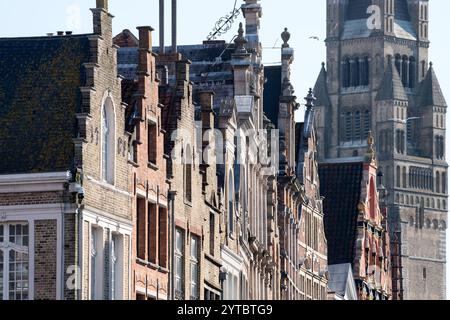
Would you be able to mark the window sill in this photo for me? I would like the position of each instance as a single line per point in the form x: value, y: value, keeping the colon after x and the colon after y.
x: 134, y: 164
x: 152, y: 166
x: 151, y: 266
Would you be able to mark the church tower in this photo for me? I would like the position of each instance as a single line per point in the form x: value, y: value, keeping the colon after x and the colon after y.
x: 378, y: 79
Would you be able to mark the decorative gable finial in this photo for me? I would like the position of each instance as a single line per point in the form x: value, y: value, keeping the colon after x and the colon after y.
x: 370, y: 155
x: 240, y: 40
x: 286, y: 36
x: 310, y: 98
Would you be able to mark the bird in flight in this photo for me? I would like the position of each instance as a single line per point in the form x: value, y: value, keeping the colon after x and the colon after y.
x: 405, y: 121
x: 314, y: 38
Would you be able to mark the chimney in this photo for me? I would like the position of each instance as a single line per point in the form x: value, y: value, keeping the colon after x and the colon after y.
x: 145, y: 37
x: 252, y: 13
x: 102, y: 19
x: 50, y: 34
x: 162, y: 44
x: 60, y: 33
x: 174, y: 26
x: 69, y: 33
x: 102, y: 4
x: 145, y: 58
x: 207, y: 102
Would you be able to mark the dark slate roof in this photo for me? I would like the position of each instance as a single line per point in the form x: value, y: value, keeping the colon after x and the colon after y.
x: 355, y: 25
x: 39, y: 96
x: 321, y: 89
x: 340, y: 184
x: 391, y: 87
x: 211, y: 68
x: 127, y: 62
x: 272, y: 93
x: 357, y: 9
x: 430, y: 93
x: 401, y: 10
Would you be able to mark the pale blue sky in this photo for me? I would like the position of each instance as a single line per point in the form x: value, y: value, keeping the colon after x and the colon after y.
x: 197, y: 17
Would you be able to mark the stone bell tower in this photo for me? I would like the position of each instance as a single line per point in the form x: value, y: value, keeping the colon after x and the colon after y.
x: 377, y: 78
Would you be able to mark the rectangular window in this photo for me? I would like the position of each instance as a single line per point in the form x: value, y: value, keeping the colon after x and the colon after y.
x: 212, y: 235
x: 140, y: 229
x: 195, y: 268
x: 96, y: 263
x: 179, y: 265
x: 188, y: 182
x: 424, y: 273
x: 163, y: 229
x: 116, y: 267
x: 152, y: 141
x: 152, y: 232
x: 14, y: 262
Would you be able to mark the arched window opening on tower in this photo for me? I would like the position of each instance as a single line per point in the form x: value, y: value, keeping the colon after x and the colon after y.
x: 440, y: 147
x: 355, y: 71
x: 356, y: 126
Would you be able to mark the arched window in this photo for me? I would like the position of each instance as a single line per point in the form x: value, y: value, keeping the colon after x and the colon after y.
x: 108, y: 141
x: 366, y: 78
x: 346, y: 73
x: 230, y: 203
x: 444, y: 182
x: 355, y: 66
x: 412, y: 72
x: 438, y: 182
x: 357, y: 125
x: 405, y: 71
x: 411, y: 221
x: 398, y: 64
x: 404, y: 178
x: 398, y: 176
x: 348, y: 126
x: 367, y: 122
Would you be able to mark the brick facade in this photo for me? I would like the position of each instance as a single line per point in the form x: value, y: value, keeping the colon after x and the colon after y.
x: 45, y: 237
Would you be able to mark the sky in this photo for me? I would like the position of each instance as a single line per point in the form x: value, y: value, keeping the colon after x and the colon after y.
x: 196, y: 19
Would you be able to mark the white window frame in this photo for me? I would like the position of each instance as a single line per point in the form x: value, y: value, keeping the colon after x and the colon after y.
x: 179, y: 255
x: 6, y: 247
x: 108, y: 148
x: 96, y: 263
x: 116, y: 258
x: 195, y: 263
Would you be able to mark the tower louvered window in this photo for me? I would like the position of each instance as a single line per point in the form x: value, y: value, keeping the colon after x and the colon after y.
x: 355, y: 72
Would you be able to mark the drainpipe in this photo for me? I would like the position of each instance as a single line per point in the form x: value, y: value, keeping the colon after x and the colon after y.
x: 172, y: 195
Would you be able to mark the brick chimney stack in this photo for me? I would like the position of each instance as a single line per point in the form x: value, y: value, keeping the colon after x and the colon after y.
x: 102, y: 19
x: 207, y: 103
